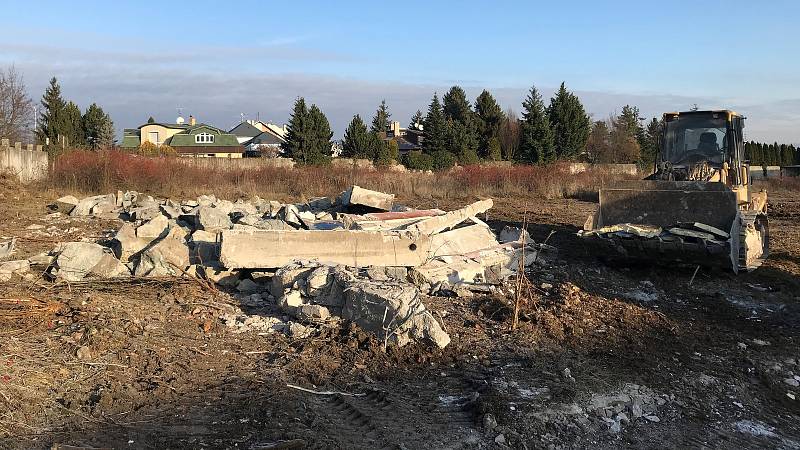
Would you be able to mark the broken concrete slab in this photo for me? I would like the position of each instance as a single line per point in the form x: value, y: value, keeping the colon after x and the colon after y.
x: 287, y: 277
x: 268, y: 249
x: 359, y: 196
x: 94, y: 205
x: 514, y: 234
x: 157, y: 227
x: 462, y: 240
x: 212, y: 219
x: 78, y: 260
x: 219, y: 276
x: 393, y: 312
x: 65, y: 204
x: 166, y: 257
x: 126, y: 244
x: 438, y: 224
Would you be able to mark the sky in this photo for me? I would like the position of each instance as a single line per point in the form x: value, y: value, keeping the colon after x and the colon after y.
x: 221, y: 60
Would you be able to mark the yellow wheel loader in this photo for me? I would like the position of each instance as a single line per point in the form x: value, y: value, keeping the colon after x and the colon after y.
x: 698, y: 207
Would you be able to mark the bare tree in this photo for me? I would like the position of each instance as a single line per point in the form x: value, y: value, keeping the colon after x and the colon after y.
x: 16, y: 108
x: 509, y: 134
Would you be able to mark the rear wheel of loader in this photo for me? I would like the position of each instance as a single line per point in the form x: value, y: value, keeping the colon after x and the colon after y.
x: 753, y: 241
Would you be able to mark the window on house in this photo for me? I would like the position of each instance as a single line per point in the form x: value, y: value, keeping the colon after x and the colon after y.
x: 204, y: 138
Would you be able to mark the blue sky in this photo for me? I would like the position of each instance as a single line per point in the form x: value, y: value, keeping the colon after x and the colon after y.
x: 218, y: 60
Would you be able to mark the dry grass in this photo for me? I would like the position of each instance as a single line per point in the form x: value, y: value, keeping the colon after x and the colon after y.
x: 107, y: 171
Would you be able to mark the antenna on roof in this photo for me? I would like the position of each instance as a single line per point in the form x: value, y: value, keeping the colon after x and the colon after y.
x: 242, y: 115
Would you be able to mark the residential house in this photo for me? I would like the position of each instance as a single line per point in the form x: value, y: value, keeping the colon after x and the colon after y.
x: 192, y: 139
x: 259, y: 138
x: 408, y: 139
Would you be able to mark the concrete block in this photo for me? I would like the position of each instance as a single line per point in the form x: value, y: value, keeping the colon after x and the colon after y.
x: 462, y: 240
x: 267, y: 249
x: 65, y: 204
x: 166, y: 257
x: 212, y: 219
x: 438, y: 224
x: 78, y: 260
x: 156, y: 227
x: 359, y: 196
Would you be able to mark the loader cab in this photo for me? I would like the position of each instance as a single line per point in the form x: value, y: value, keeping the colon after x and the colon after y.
x: 709, y: 140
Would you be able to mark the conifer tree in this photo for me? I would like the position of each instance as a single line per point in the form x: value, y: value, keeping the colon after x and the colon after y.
x: 93, y: 122
x: 649, y: 146
x: 489, y: 119
x: 318, y: 151
x: 105, y: 136
x: 380, y: 123
x: 416, y: 120
x: 462, y: 128
x: 73, y: 126
x: 297, y: 131
x: 151, y: 120
x: 51, y: 119
x: 570, y: 123
x: 357, y: 142
x: 536, y: 140
x: 434, y: 128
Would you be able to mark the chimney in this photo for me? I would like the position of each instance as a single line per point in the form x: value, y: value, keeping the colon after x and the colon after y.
x: 192, y: 120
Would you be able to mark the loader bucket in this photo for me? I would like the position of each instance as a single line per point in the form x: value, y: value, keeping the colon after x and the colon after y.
x: 666, y: 221
x: 666, y: 203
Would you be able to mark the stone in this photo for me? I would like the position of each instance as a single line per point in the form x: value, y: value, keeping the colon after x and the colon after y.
x: 291, y: 215
x: 166, y: 257
x: 500, y: 439
x: 382, y: 307
x: 297, y: 330
x: 290, y: 301
x: 514, y: 234
x: 212, y: 219
x: 220, y: 276
x: 206, y: 200
x: 65, y: 204
x: 78, y: 260
x: 462, y: 240
x: 318, y: 281
x: 248, y: 285
x: 313, y: 312
x: 489, y: 422
x: 42, y: 259
x: 170, y: 210
x: 269, y: 249
x: 155, y: 228
x: 286, y: 277
x: 83, y: 353
x: 249, y: 219
x: 359, y: 196
x: 8, y: 268
x: 792, y: 382
x: 622, y: 418
x: 7, y: 248
x: 144, y: 213
x: 652, y: 418
x: 126, y: 244
x: 93, y: 205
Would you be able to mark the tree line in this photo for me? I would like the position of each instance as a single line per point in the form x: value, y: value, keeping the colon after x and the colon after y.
x: 762, y: 154
x: 61, y: 123
x: 457, y: 131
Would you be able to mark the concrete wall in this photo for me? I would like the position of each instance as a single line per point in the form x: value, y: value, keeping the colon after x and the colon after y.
x: 29, y: 163
x: 626, y: 169
x: 757, y: 172
x: 237, y: 163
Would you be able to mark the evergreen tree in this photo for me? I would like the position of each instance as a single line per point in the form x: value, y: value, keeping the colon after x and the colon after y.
x: 318, y: 150
x: 73, y: 126
x: 536, y: 141
x: 598, y: 146
x: 356, y: 143
x: 151, y: 120
x: 489, y: 119
x: 462, y: 132
x: 93, y: 121
x: 380, y: 123
x: 434, y: 128
x: 629, y: 121
x: 494, y: 152
x: 570, y: 123
x: 649, y: 146
x: 297, y: 131
x: 51, y: 119
x: 416, y: 120
x: 787, y: 155
x: 105, y: 136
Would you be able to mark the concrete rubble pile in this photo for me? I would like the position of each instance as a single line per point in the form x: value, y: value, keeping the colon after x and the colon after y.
x: 359, y: 257
x: 711, y: 237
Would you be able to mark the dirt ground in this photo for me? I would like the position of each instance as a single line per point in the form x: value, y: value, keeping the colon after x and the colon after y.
x: 605, y: 357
